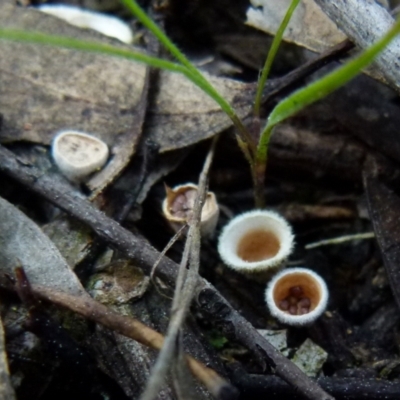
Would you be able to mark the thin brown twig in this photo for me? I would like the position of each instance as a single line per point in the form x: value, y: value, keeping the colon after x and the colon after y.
x: 144, y: 255
x: 127, y: 326
x: 165, y: 250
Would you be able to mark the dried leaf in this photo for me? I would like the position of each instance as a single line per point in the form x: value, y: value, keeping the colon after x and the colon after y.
x: 309, y: 26
x: 22, y: 243
x: 184, y: 115
x: 44, y: 89
x: 364, y: 23
x: 47, y: 89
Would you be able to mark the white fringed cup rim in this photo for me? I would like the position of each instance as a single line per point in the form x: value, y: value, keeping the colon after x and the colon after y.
x: 241, y: 226
x: 297, y: 320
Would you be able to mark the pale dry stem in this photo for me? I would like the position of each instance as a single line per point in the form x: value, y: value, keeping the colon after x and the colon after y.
x: 127, y: 326
x: 184, y: 288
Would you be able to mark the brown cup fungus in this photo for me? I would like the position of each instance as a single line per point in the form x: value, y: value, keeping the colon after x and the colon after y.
x: 297, y: 296
x: 256, y: 242
x: 178, y: 208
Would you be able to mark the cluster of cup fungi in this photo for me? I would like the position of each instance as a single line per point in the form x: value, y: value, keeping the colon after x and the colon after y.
x: 256, y: 243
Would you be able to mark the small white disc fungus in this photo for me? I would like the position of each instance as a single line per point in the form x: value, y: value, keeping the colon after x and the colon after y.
x: 178, y: 207
x: 296, y: 296
x: 255, y: 242
x: 78, y: 154
x: 105, y: 24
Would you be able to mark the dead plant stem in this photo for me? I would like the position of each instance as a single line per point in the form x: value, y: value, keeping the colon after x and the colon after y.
x: 184, y: 288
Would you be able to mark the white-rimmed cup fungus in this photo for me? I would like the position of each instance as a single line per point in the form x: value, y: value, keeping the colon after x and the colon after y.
x: 296, y: 296
x: 103, y: 23
x: 256, y: 243
x: 178, y: 206
x: 78, y: 154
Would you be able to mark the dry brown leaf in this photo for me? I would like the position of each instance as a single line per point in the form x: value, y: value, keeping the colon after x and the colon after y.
x: 309, y: 26
x: 184, y: 115
x: 45, y: 89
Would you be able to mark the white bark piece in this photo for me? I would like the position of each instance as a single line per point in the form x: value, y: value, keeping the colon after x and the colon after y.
x: 102, y: 23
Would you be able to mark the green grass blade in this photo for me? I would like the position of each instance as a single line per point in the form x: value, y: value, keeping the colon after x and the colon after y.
x: 106, y: 49
x: 202, y: 82
x: 77, y: 44
x: 271, y: 55
x: 320, y: 89
x: 326, y: 85
x: 140, y: 14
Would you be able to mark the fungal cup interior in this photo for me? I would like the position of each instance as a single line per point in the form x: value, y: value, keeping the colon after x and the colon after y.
x: 257, y: 245
x: 297, y: 293
x: 180, y: 203
x: 80, y: 150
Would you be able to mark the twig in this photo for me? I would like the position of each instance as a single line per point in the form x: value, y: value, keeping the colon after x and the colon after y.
x: 134, y: 329
x: 185, y: 285
x: 340, y: 239
x: 144, y: 255
x: 6, y: 389
x: 271, y: 387
x: 165, y: 250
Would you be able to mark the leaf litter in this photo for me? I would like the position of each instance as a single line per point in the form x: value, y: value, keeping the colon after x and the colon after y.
x: 179, y: 116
